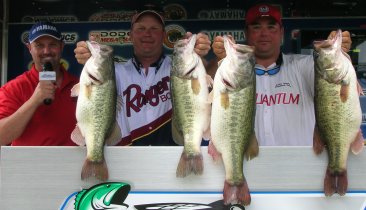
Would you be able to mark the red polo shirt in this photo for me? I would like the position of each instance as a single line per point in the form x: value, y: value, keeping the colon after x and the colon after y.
x: 51, y: 125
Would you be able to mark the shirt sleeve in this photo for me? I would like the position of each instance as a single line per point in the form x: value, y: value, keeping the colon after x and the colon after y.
x: 9, y: 100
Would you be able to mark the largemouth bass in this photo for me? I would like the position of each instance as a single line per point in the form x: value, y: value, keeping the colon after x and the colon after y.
x: 337, y: 111
x: 191, y: 108
x: 232, y: 119
x: 96, y: 110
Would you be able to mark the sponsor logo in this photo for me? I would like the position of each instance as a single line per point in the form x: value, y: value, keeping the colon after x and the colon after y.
x: 112, y: 16
x: 238, y: 35
x: 47, y: 75
x: 62, y: 18
x: 174, y: 12
x: 222, y: 14
x: 112, y: 37
x: 153, y: 96
x: 173, y: 34
x: 278, y: 98
x: 263, y: 9
x: 70, y: 37
x: 112, y: 195
x: 67, y: 37
x: 108, y: 195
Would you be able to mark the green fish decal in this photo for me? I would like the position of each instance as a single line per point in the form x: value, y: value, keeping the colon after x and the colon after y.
x: 108, y: 195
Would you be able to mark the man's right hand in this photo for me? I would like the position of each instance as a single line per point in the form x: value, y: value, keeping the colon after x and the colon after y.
x: 82, y: 53
x: 218, y: 46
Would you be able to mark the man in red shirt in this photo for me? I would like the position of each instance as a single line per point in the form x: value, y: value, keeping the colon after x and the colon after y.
x: 26, y: 119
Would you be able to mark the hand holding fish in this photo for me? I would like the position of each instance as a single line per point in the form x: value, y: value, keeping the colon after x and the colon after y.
x: 203, y: 44
x: 218, y: 46
x: 82, y: 53
x: 346, y: 39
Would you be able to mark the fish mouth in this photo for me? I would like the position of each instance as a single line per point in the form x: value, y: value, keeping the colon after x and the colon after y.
x: 94, y: 79
x: 120, y: 195
x: 191, y: 70
x: 228, y: 84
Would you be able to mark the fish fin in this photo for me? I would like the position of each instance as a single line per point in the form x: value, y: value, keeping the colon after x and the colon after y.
x: 88, y: 91
x: 329, y: 183
x: 344, y: 92
x: 75, y: 90
x: 177, y: 135
x: 318, y: 144
x: 360, y: 89
x: 212, y: 151
x: 195, y: 85
x: 335, y: 182
x: 253, y: 148
x: 190, y: 164
x: 115, y: 136
x: 95, y: 169
x: 79, y: 197
x: 225, y: 102
x: 77, y: 137
x: 236, y: 194
x: 358, y: 143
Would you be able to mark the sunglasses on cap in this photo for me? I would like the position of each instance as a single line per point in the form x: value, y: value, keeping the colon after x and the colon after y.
x: 272, y: 71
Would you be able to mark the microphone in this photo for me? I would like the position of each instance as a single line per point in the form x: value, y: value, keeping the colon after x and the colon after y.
x: 47, y: 74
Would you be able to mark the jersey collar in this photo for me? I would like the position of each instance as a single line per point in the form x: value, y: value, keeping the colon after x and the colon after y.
x: 271, y: 71
x: 157, y: 64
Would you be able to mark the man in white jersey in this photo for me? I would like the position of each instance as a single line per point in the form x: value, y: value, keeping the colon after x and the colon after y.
x: 143, y: 82
x: 285, y: 83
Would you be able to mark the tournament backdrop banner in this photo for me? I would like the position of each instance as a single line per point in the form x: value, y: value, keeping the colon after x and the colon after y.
x: 115, y: 34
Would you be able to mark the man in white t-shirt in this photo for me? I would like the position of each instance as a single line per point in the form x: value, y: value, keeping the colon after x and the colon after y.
x: 285, y: 83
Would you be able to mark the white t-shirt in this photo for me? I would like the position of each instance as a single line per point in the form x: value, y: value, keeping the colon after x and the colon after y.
x: 285, y: 103
x: 146, y: 103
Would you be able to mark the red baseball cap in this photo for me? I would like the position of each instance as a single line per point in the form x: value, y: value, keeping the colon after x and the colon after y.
x: 263, y: 10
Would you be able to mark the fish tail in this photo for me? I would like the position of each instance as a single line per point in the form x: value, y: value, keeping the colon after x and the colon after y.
x: 236, y: 194
x: 342, y: 183
x: 97, y: 169
x: 329, y: 183
x: 335, y: 182
x: 188, y: 164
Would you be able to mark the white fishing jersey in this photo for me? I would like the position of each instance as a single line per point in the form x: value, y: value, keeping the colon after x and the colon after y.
x: 146, y: 103
x: 285, y: 103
